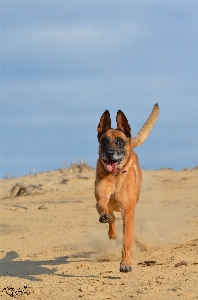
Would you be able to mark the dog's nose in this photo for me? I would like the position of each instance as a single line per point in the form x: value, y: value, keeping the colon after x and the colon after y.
x: 111, y: 152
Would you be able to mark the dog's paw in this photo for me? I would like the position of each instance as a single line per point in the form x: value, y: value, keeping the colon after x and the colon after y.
x: 112, y: 235
x: 126, y: 268
x: 105, y: 218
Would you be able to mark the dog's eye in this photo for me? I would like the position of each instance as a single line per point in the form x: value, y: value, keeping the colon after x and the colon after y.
x: 105, y: 140
x: 119, y: 142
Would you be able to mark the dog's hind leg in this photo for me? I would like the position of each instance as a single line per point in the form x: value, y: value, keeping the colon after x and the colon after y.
x: 128, y: 224
x: 112, y: 227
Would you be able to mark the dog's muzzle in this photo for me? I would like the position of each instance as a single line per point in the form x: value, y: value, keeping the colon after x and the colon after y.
x: 112, y: 159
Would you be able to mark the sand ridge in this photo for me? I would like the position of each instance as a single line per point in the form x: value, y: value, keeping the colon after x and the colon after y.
x: 53, y: 247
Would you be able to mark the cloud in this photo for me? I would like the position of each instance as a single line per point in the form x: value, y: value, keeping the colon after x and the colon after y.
x: 52, y: 40
x: 87, y: 91
x: 24, y: 160
x: 43, y: 119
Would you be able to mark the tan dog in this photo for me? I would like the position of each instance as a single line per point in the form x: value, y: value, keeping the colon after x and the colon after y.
x: 118, y: 176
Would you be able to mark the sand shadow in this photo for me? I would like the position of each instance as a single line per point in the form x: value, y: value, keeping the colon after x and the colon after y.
x: 28, y: 269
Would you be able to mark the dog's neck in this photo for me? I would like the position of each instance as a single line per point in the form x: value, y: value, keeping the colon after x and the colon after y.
x: 118, y: 172
x: 124, y: 169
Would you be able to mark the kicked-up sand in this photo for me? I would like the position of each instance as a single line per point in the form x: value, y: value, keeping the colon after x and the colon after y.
x: 53, y: 247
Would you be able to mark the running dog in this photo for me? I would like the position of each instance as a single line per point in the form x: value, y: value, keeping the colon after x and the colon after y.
x: 118, y: 176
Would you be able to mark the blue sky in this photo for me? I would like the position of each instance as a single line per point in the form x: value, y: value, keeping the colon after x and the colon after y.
x: 64, y: 62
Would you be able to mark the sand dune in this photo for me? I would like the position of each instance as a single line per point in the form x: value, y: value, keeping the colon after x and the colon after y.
x: 53, y: 247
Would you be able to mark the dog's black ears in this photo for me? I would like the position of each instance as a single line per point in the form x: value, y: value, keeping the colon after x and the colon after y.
x: 122, y: 123
x: 105, y: 123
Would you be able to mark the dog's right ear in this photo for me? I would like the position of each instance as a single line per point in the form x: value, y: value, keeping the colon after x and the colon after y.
x: 105, y: 123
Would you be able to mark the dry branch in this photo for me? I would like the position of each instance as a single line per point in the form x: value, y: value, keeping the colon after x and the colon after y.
x: 19, y: 189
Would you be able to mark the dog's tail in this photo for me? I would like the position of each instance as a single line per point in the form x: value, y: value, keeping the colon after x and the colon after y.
x: 146, y: 128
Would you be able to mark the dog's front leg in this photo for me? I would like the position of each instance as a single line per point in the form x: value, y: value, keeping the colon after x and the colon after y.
x: 103, y: 192
x: 128, y: 226
x: 101, y: 206
x: 107, y: 216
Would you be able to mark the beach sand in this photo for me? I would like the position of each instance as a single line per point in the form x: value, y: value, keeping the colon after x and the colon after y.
x: 53, y: 247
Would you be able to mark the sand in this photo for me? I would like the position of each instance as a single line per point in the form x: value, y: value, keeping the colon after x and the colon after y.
x: 53, y: 247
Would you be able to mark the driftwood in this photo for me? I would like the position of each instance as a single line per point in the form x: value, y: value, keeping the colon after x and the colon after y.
x: 20, y: 189
x: 19, y: 206
x: 35, y: 186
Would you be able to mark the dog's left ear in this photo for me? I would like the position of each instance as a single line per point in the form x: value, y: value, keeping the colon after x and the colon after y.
x: 105, y: 123
x: 122, y: 123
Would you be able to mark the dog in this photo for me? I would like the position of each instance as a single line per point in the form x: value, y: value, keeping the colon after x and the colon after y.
x: 118, y: 176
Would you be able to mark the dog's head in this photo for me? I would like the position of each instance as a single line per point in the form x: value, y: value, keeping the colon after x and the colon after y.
x: 114, y: 144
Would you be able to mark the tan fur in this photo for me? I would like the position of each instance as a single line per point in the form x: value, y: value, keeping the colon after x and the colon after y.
x: 146, y: 128
x: 120, y: 192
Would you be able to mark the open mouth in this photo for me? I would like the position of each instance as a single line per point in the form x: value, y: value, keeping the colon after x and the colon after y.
x: 111, y: 165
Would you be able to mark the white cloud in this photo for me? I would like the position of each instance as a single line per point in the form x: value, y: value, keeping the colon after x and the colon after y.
x: 97, y: 91
x: 75, y: 34
x: 18, y: 160
x: 48, y: 120
x: 60, y: 42
x: 45, y: 41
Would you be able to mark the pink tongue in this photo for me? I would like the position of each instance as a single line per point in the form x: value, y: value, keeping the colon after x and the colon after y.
x: 111, y: 166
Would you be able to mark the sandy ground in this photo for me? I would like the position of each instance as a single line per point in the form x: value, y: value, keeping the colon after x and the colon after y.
x: 53, y: 247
